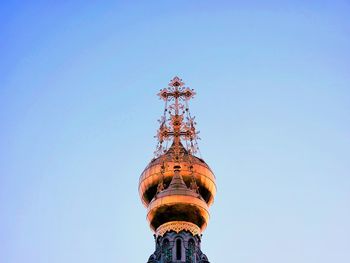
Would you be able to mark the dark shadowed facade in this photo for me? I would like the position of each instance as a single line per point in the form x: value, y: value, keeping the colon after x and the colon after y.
x: 177, y: 187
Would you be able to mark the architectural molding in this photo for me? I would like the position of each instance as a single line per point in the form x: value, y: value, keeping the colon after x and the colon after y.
x: 178, y: 226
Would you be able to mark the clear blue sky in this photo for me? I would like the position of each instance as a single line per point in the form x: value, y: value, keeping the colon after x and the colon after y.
x: 78, y: 113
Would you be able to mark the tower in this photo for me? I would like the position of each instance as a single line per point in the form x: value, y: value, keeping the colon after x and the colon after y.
x: 177, y: 187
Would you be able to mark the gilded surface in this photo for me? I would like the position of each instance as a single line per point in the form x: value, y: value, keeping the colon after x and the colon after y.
x: 177, y: 186
x: 192, y: 208
x: 202, y: 173
x: 178, y: 226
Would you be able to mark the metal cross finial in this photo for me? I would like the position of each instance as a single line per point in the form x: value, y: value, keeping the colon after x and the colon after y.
x: 178, y: 126
x: 176, y: 91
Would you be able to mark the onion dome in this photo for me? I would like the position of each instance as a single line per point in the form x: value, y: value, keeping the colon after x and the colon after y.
x: 177, y: 187
x: 200, y: 170
x: 178, y: 203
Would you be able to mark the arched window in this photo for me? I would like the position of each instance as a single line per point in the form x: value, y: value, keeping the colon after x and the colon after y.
x: 178, y: 249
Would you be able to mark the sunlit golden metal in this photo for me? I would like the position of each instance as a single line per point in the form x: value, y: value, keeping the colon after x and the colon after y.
x: 178, y: 226
x: 177, y: 187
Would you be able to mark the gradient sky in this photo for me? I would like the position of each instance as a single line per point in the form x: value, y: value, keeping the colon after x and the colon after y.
x: 78, y: 113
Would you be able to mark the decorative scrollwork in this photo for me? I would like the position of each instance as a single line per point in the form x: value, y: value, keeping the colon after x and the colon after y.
x: 178, y: 226
x: 177, y: 123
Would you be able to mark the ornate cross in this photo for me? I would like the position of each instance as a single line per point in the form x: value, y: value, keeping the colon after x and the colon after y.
x: 176, y: 91
x: 176, y: 127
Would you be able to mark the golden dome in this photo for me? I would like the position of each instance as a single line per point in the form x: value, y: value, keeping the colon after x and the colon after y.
x: 177, y: 187
x: 152, y: 175
x: 177, y: 203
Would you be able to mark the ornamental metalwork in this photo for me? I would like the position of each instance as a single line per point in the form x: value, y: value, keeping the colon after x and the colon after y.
x: 178, y: 226
x: 177, y: 122
x: 177, y: 187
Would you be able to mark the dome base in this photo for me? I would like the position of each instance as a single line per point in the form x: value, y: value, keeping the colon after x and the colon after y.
x: 178, y: 226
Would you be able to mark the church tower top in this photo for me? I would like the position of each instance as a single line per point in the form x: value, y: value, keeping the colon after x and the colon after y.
x: 177, y: 187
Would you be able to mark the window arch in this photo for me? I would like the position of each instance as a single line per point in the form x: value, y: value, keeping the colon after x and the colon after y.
x: 178, y: 249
